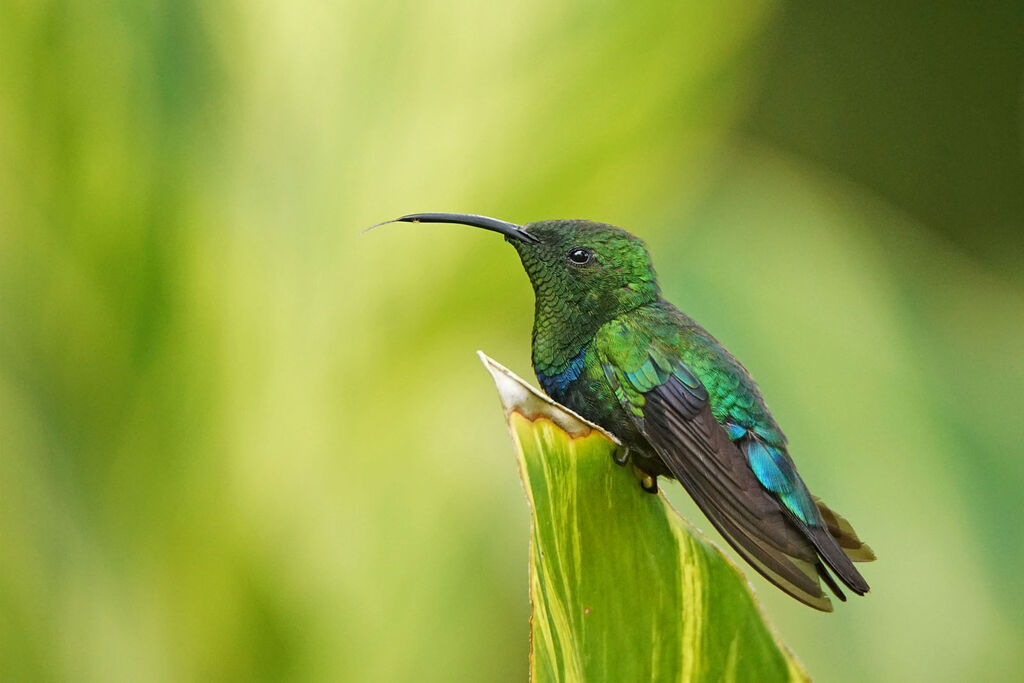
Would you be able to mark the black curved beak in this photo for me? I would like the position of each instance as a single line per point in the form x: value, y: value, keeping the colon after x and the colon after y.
x: 507, y: 229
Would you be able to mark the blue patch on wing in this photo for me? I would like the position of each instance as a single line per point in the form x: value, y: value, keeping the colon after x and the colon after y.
x: 735, y: 431
x: 559, y: 382
x: 779, y: 477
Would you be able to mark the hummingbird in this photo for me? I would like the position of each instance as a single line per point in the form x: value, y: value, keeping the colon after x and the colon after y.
x: 608, y: 346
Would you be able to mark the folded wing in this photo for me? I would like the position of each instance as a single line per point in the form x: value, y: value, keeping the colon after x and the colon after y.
x: 670, y: 407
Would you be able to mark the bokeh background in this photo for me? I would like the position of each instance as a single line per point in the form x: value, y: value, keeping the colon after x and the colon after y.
x: 239, y: 441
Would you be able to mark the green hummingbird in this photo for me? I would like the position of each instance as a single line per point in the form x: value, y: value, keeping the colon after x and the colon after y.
x: 608, y: 346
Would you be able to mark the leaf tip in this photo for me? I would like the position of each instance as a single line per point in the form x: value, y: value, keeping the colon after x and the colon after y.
x: 519, y: 397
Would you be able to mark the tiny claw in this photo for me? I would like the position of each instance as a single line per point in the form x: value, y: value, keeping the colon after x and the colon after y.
x: 648, y: 482
x: 621, y: 456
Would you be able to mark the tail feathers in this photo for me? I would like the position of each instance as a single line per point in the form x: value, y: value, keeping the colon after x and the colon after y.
x: 845, y: 536
x: 838, y: 545
x: 836, y: 559
x: 825, y: 576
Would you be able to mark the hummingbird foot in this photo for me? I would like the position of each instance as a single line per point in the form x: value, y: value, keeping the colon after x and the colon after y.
x: 621, y: 456
x: 648, y: 482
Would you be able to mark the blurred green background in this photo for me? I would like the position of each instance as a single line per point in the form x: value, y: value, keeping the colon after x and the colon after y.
x: 239, y: 441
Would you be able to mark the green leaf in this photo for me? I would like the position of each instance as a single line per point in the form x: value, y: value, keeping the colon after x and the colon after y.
x: 622, y: 587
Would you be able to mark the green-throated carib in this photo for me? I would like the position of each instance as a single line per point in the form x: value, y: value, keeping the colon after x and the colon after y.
x: 608, y: 346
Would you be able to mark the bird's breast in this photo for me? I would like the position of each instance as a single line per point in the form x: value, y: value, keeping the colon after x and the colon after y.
x: 558, y: 382
x: 582, y: 386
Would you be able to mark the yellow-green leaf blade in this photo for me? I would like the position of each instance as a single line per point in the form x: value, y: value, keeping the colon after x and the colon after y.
x: 622, y: 587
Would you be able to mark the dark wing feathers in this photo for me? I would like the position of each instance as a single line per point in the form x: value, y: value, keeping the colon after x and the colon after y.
x: 676, y: 419
x: 715, y: 474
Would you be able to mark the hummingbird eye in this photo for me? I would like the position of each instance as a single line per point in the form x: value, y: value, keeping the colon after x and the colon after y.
x: 579, y: 256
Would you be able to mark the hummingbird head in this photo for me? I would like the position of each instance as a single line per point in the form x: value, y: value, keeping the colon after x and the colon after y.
x: 584, y: 274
